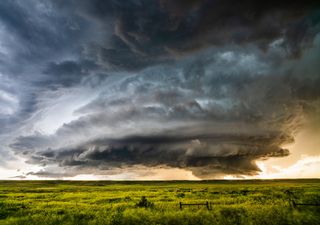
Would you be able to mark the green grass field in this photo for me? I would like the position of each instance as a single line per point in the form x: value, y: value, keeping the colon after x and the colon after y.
x: 232, y: 202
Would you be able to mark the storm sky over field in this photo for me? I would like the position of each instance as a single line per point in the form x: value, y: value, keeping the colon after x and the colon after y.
x: 159, y: 89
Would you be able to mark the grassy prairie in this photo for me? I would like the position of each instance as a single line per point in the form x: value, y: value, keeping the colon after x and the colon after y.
x: 102, y: 202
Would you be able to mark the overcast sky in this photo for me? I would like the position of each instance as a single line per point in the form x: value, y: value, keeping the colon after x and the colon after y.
x: 159, y: 89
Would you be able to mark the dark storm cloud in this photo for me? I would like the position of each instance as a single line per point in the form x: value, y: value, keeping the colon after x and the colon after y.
x: 68, y: 73
x: 230, y: 154
x: 210, y: 86
x: 215, y: 113
x: 145, y: 32
x: 39, y: 32
x: 34, y: 36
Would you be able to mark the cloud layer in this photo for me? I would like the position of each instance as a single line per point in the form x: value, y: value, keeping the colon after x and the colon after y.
x: 112, y: 86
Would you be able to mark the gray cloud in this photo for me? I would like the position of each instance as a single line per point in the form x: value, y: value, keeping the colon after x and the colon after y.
x: 68, y: 73
x: 218, y: 153
x: 214, y: 113
x: 148, y: 32
x: 34, y: 36
x: 207, y: 86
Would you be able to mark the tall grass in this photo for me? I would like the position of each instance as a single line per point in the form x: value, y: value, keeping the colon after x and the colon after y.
x: 237, y: 202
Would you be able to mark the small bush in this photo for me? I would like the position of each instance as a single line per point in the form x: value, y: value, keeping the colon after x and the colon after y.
x: 180, y: 195
x: 144, y: 202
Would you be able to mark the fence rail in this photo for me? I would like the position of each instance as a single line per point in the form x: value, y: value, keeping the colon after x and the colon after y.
x: 294, y: 204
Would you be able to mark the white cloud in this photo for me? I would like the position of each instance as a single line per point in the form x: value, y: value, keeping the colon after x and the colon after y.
x: 8, y: 103
x: 59, y: 108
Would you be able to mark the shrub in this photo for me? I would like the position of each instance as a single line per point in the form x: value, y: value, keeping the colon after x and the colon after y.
x: 144, y: 202
x: 180, y: 195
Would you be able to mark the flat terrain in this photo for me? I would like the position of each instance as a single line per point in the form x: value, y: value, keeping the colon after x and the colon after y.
x: 102, y: 202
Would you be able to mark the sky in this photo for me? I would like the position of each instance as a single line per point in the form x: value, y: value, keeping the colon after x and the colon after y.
x: 159, y: 89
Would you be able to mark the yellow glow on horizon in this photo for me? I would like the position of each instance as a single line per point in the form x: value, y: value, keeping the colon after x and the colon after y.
x: 303, y: 161
x: 307, y: 167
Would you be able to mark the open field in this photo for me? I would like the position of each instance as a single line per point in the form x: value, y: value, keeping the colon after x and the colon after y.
x: 102, y: 202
